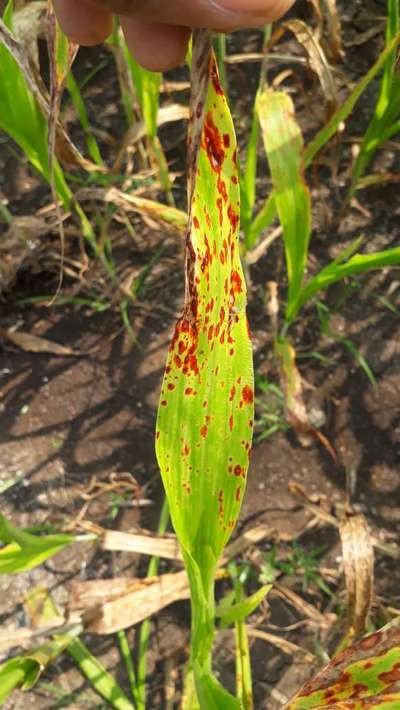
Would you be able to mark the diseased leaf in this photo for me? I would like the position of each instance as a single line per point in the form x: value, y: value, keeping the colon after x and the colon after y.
x: 205, y: 418
x: 366, y: 675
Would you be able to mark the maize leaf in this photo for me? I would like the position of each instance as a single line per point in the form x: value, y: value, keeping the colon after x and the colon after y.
x: 205, y: 418
x: 366, y: 675
x: 284, y: 147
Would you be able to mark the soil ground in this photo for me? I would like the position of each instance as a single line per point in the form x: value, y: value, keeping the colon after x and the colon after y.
x: 69, y: 422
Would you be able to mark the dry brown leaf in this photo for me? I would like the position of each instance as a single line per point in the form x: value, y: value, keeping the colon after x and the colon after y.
x: 306, y: 609
x: 334, y: 29
x: 34, y: 344
x: 167, y: 548
x: 358, y: 564
x: 292, y: 386
x: 170, y: 216
x: 66, y: 151
x: 19, y: 244
x: 111, y: 605
x: 283, y: 644
x: 316, y: 58
x: 139, y: 601
x: 166, y: 114
x: 298, y: 491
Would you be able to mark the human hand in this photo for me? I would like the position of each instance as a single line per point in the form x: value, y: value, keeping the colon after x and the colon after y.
x: 157, y: 31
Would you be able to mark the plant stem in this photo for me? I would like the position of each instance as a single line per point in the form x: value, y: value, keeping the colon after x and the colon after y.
x: 144, y: 633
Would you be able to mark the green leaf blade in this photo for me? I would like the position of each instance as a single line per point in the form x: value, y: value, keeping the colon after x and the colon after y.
x: 284, y: 147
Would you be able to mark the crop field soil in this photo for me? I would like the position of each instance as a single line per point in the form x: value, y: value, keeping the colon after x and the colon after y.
x: 77, y: 422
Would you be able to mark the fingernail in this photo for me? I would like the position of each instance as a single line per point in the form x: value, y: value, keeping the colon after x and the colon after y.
x: 243, y: 7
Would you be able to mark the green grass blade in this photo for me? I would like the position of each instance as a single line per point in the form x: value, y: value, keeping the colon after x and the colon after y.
x: 101, y: 681
x: 357, y: 264
x: 384, y: 122
x: 24, y: 671
x: 76, y: 96
x: 284, y: 147
x: 23, y: 551
x: 248, y: 180
x: 147, y: 86
x: 326, y: 133
x: 20, y: 115
x: 128, y: 661
x: 266, y: 215
x: 243, y: 608
x: 144, y: 634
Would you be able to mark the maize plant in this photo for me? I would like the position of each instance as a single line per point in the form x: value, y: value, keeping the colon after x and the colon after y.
x: 205, y: 419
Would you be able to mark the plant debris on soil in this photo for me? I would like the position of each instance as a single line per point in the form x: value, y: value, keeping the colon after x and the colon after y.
x: 74, y: 421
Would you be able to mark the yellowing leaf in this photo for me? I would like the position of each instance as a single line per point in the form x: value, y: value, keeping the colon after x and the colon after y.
x: 366, y: 675
x: 205, y: 419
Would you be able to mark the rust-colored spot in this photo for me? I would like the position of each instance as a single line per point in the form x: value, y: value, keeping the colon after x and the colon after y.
x: 358, y: 691
x: 227, y: 140
x: 232, y: 393
x: 177, y: 361
x: 221, y: 503
x: 247, y: 394
x: 231, y: 352
x: 231, y: 422
x: 370, y: 641
x: 196, y: 222
x: 181, y: 347
x: 234, y: 179
x: 188, y: 391
x: 221, y: 187
x: 193, y: 364
x: 238, y: 471
x: 213, y: 143
x: 204, y: 431
x: 222, y: 338
x: 164, y: 403
x: 168, y: 369
x: 236, y: 282
x: 171, y: 386
x: 330, y: 695
x: 390, y: 676
x: 238, y: 494
x: 215, y: 81
x: 233, y: 217
x: 158, y: 435
x: 185, y: 450
x: 210, y: 332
